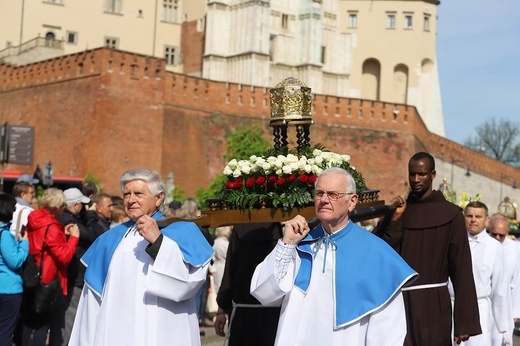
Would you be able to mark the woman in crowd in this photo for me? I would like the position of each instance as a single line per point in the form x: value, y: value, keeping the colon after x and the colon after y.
x: 48, y: 237
x: 13, y: 254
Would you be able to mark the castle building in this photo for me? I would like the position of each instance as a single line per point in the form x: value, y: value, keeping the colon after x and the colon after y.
x: 375, y: 50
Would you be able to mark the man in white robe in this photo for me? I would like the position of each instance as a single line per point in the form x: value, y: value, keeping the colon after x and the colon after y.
x: 490, y: 278
x: 141, y: 279
x: 337, y: 283
x: 499, y: 229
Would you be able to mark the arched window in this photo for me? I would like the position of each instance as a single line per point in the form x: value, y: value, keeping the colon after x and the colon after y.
x: 400, y: 85
x: 371, y: 80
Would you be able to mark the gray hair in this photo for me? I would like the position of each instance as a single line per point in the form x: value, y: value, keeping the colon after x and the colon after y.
x: 351, y: 184
x: 151, y: 178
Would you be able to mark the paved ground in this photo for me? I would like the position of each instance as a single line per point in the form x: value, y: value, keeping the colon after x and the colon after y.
x: 212, y: 339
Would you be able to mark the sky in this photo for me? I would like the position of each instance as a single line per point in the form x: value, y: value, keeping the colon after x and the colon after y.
x: 478, y: 53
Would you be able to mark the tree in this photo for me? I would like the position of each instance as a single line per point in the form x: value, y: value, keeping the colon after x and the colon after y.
x: 498, y: 139
x: 242, y: 143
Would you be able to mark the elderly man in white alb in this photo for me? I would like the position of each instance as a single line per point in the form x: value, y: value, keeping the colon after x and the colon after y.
x: 490, y: 278
x: 337, y: 283
x: 141, y: 279
x: 499, y: 229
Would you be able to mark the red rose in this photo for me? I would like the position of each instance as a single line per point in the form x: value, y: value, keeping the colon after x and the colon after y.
x: 261, y: 180
x: 312, y: 178
x: 272, y: 179
x: 291, y: 178
x: 280, y: 181
x: 303, y: 178
x: 229, y: 184
x: 250, y: 182
x: 237, y: 184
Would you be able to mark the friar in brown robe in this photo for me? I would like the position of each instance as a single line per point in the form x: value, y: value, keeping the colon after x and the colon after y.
x: 251, y: 323
x: 430, y: 234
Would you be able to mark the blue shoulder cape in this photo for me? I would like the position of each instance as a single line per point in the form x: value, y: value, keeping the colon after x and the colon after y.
x: 368, y: 272
x: 194, y: 247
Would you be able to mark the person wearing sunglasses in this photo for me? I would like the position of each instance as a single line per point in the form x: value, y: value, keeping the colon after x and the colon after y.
x: 499, y: 229
x: 337, y: 283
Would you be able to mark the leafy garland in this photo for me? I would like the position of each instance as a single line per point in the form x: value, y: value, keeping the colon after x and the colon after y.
x: 281, y: 178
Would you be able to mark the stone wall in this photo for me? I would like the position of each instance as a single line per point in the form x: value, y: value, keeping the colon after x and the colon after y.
x: 105, y: 111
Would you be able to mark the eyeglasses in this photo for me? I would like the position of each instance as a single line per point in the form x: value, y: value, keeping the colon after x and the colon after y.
x: 494, y: 235
x: 333, y: 195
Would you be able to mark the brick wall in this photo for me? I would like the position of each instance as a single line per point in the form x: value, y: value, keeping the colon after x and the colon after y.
x: 106, y: 111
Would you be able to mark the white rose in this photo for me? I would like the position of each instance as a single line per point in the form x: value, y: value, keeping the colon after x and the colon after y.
x: 307, y: 169
x: 237, y: 173
x: 227, y: 171
x: 232, y: 164
x: 286, y: 169
x: 246, y: 169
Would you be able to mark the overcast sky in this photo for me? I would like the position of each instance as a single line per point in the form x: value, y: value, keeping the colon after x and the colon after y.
x: 478, y: 52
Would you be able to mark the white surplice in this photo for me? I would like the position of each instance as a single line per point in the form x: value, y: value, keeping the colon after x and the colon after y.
x: 307, y: 319
x: 164, y: 315
x: 491, y: 285
x: 511, y: 251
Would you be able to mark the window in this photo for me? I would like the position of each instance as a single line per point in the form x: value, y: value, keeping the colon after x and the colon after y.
x: 112, y: 42
x: 169, y: 13
x: 352, y: 20
x: 390, y: 21
x: 426, y: 24
x: 113, y: 6
x: 72, y: 37
x: 323, y: 51
x: 285, y: 21
x: 408, y: 21
x: 170, y: 55
x: 52, y: 1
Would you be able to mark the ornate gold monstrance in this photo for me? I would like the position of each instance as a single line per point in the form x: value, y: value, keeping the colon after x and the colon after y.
x: 291, y: 105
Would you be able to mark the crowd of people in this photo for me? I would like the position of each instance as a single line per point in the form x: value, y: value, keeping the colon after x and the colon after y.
x: 427, y: 273
x: 57, y: 231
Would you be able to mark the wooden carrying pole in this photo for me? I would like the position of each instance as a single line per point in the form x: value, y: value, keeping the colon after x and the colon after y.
x: 218, y: 218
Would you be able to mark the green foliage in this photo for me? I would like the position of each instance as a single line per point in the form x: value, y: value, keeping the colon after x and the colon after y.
x: 246, y: 141
x: 178, y: 193
x: 90, y: 177
x: 212, y: 192
x: 242, y: 143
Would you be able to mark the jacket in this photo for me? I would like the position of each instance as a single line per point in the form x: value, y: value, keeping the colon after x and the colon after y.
x: 58, y: 251
x: 12, y: 256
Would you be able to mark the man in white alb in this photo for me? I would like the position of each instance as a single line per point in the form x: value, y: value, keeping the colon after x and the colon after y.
x: 338, y: 284
x: 499, y: 229
x: 141, y: 279
x: 490, y: 278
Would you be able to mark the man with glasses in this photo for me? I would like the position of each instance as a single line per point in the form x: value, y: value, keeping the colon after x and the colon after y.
x: 336, y: 283
x: 430, y: 234
x: 499, y: 229
x: 490, y: 278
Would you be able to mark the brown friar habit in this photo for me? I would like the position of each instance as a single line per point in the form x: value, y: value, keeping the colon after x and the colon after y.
x: 249, y: 244
x: 431, y: 237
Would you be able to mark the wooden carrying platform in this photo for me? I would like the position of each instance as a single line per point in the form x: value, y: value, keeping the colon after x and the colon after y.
x: 218, y: 218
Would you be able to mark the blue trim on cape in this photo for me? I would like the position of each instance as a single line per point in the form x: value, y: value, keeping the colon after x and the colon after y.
x: 368, y: 272
x: 195, y: 249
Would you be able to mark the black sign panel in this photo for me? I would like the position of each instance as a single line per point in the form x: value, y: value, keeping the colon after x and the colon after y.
x: 20, y: 144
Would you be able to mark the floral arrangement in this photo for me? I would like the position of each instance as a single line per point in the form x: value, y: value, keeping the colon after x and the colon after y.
x: 280, y: 180
x: 465, y: 199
